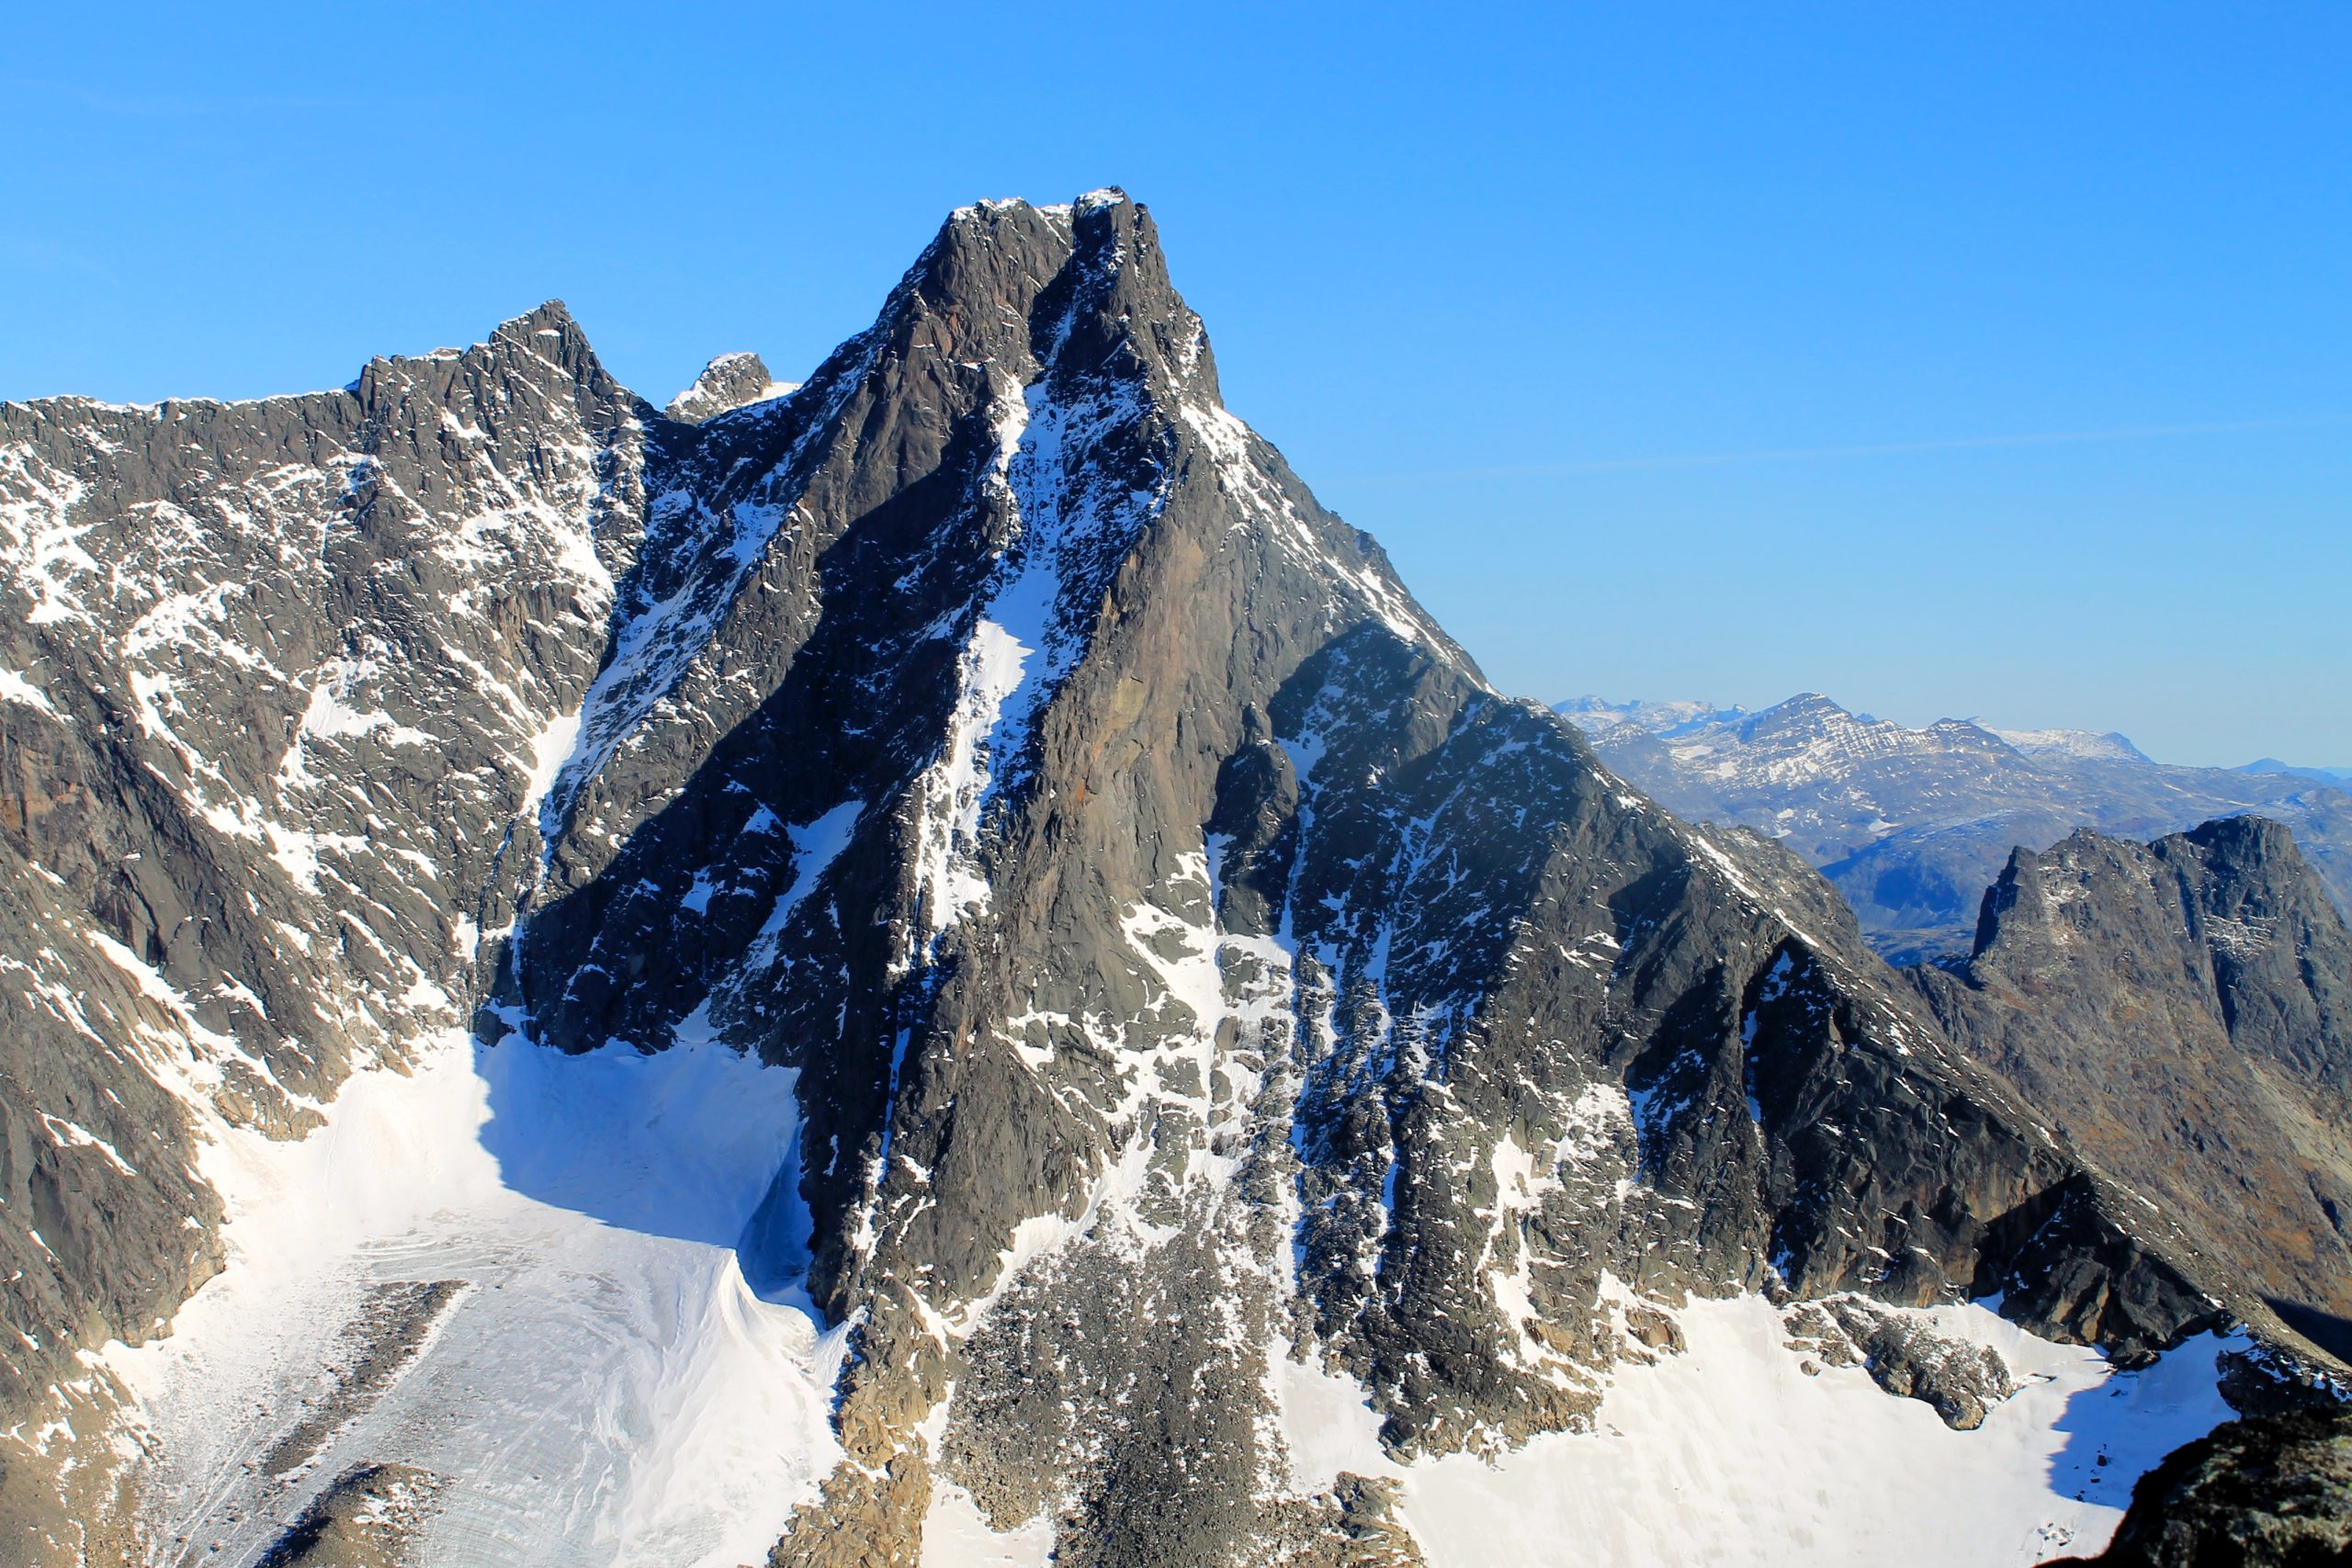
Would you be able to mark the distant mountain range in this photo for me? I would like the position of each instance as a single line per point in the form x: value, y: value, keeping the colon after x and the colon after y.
x: 1913, y: 824
x: 2340, y: 776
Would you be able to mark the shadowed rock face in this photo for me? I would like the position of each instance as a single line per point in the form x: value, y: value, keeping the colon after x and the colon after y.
x: 2183, y: 1012
x: 1187, y: 956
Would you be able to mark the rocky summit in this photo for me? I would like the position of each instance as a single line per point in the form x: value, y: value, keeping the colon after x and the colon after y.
x: 940, y: 965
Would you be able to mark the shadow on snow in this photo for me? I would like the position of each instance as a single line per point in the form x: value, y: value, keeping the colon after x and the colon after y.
x: 696, y: 1143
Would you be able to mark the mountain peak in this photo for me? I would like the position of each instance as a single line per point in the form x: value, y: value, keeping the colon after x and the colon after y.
x: 729, y: 382
x: 550, y: 315
x: 1193, y: 982
x: 2340, y: 777
x: 1082, y: 286
x: 1911, y: 824
x: 545, y: 345
x: 1803, y: 707
x: 1663, y: 718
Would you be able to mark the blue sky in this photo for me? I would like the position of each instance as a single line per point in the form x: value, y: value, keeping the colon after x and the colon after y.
x: 1973, y: 360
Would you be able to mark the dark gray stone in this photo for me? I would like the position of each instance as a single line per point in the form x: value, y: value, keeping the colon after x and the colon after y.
x: 2269, y: 1492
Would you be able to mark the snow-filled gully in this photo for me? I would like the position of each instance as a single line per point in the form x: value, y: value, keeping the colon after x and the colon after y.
x: 603, y: 1389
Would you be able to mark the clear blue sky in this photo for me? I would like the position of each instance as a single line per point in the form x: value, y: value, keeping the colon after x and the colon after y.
x: 1672, y: 350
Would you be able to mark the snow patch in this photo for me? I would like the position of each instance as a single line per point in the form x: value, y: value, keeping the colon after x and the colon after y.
x: 71, y: 1134
x: 814, y: 849
x: 551, y: 748
x: 955, y: 787
x: 1068, y: 515
x: 14, y: 688
x: 1328, y: 1422
x: 954, y: 1534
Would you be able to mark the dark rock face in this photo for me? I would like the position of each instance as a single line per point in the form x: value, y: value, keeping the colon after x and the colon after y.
x: 2183, y: 1012
x: 1188, y: 959
x: 1911, y: 824
x: 2267, y: 1381
x: 2271, y: 1492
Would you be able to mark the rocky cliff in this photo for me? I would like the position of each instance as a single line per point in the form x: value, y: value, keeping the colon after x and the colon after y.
x: 2182, y: 1011
x: 276, y: 679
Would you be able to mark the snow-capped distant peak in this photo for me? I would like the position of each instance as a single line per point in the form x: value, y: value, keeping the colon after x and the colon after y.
x: 2073, y: 745
x: 1808, y: 710
x: 1595, y: 714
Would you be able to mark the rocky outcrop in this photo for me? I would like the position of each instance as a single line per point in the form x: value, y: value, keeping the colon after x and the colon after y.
x: 365, y: 1518
x: 729, y: 382
x: 1905, y: 1356
x: 2272, y: 1492
x: 862, y: 1518
x: 2183, y: 1012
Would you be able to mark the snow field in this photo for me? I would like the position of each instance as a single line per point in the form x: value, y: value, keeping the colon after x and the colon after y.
x: 1729, y: 1453
x: 608, y: 1391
